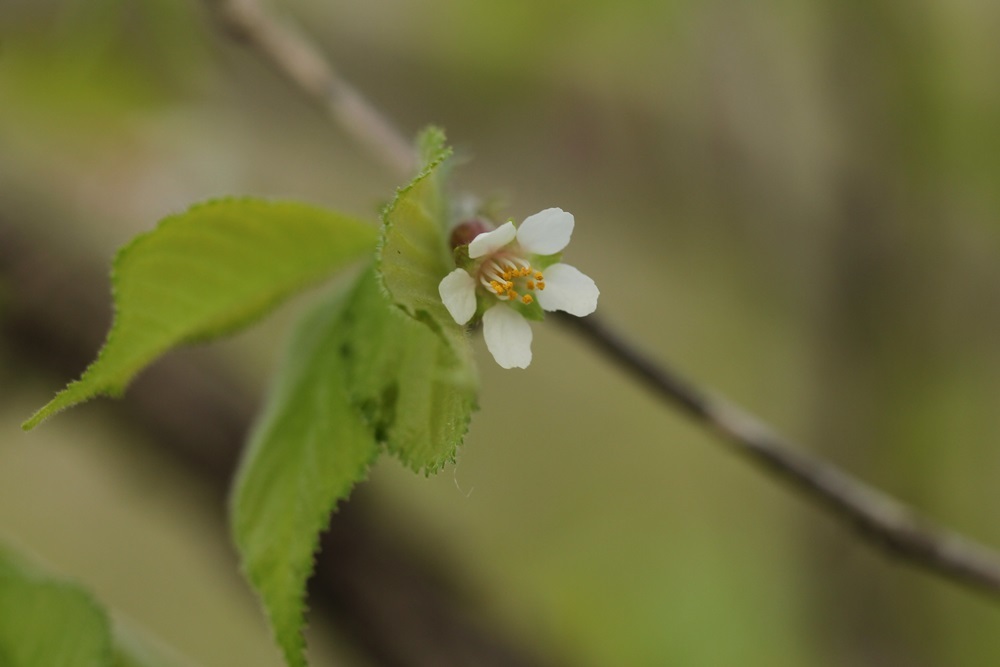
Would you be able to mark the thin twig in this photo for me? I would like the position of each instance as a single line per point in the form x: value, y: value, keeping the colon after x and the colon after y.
x: 297, y: 60
x: 881, y: 520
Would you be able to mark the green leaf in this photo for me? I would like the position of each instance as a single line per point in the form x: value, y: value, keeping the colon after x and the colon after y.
x: 383, y: 364
x: 417, y: 391
x: 433, y: 145
x: 45, y: 621
x: 359, y: 372
x: 49, y: 622
x: 205, y: 273
x: 432, y: 395
x: 413, y: 254
x: 306, y: 453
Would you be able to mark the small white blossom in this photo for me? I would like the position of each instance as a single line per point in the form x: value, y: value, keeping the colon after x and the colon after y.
x: 502, y: 271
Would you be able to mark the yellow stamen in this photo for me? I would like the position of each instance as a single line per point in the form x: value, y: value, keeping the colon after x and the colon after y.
x: 506, y: 274
x: 508, y: 285
x: 511, y: 294
x: 531, y: 284
x: 540, y: 285
x: 497, y: 287
x: 527, y: 299
x: 539, y: 276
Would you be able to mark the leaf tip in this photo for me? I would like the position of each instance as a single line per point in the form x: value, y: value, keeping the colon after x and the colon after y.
x: 432, y: 144
x: 33, y: 421
x: 43, y: 413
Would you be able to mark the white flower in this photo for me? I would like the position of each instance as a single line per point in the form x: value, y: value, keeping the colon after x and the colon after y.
x: 501, y: 272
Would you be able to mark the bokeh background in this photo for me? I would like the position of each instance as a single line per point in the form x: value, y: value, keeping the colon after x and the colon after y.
x: 797, y: 203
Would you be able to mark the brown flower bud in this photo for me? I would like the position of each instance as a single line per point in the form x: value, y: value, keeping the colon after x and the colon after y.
x: 464, y: 232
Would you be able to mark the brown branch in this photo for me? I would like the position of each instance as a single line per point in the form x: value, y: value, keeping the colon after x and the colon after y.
x: 299, y: 61
x: 880, y: 519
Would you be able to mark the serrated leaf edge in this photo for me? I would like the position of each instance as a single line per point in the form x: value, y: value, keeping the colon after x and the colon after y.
x: 257, y: 310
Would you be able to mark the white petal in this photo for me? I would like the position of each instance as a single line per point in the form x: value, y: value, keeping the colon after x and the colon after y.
x: 569, y: 290
x: 508, y: 336
x: 458, y: 293
x: 488, y: 243
x: 546, y: 232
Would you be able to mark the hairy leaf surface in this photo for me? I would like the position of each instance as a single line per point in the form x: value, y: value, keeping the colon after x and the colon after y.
x: 413, y: 254
x: 417, y: 391
x: 307, y: 452
x: 434, y: 396
x: 205, y: 273
x: 359, y: 372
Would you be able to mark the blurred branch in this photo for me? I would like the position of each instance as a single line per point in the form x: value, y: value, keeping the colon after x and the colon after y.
x: 399, y: 608
x: 297, y: 60
x: 883, y: 521
x: 880, y: 519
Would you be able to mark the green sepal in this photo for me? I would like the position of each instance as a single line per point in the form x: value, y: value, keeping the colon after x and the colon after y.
x: 530, y: 311
x: 462, y: 259
x: 542, y: 262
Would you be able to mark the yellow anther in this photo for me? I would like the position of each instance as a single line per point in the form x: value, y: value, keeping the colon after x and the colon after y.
x: 506, y: 274
x: 525, y: 271
x: 540, y: 285
x: 539, y: 276
x: 508, y: 285
x: 531, y: 284
x: 527, y: 298
x: 497, y: 287
x: 511, y: 294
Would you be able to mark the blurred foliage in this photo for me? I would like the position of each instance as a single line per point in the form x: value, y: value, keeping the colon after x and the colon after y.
x: 47, y: 622
x: 795, y: 200
x: 91, y: 61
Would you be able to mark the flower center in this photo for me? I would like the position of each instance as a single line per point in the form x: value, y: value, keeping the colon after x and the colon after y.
x: 507, y: 276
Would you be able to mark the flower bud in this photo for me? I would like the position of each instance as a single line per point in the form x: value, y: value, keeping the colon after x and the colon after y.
x: 464, y: 232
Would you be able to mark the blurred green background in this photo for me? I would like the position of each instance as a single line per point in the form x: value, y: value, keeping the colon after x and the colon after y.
x: 798, y: 203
